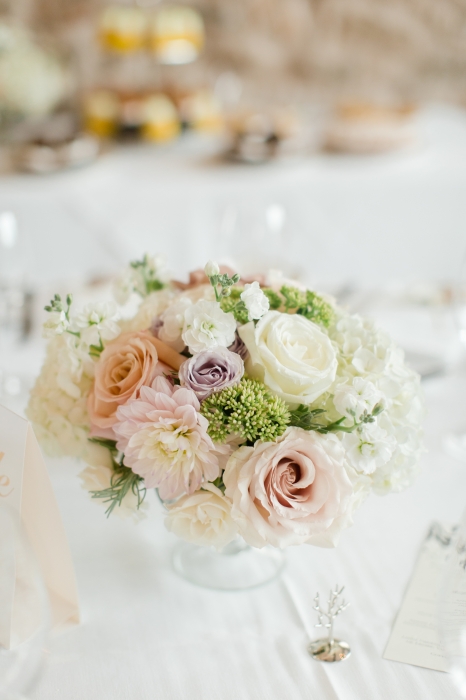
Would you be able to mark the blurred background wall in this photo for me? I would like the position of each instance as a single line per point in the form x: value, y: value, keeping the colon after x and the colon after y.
x: 385, y: 49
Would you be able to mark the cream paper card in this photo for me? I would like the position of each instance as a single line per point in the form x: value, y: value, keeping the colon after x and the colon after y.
x: 26, y: 491
x: 415, y: 637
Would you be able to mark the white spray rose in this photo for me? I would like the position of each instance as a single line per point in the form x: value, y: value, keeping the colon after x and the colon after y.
x: 206, y: 326
x: 353, y: 399
x: 255, y: 301
x: 291, y: 355
x: 368, y: 448
x: 203, y: 517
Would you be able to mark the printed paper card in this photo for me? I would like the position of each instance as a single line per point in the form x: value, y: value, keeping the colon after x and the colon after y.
x: 415, y: 637
x: 26, y: 493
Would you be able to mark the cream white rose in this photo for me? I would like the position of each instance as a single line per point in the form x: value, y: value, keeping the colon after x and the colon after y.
x: 203, y: 517
x: 291, y: 355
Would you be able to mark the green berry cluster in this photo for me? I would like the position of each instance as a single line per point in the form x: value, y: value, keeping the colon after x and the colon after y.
x: 308, y: 304
x: 234, y: 304
x: 248, y: 410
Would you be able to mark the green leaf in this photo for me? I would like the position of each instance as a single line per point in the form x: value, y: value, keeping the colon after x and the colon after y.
x: 123, y: 481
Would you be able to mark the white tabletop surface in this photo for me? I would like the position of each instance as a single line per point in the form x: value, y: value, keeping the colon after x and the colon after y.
x: 146, y: 634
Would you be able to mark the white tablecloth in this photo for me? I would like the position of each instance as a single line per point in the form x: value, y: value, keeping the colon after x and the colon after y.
x: 146, y: 634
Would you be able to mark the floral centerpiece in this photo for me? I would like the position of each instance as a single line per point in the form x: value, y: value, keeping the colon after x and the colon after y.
x: 256, y: 408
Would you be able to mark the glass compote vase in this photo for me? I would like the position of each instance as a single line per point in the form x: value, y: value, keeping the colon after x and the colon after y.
x: 236, y: 567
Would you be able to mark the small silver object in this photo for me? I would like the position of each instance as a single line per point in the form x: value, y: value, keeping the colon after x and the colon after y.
x: 329, y: 649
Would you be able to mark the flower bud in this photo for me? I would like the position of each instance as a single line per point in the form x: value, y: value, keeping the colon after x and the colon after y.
x: 212, y: 269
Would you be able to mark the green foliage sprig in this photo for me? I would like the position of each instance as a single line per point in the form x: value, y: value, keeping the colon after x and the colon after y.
x: 56, y: 304
x: 147, y: 276
x: 122, y: 481
x: 248, y: 410
x: 304, y: 417
x: 222, y: 284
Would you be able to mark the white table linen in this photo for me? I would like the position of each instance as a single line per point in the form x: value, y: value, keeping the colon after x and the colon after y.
x: 147, y: 634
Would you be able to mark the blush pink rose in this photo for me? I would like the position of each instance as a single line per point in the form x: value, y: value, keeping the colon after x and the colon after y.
x: 127, y: 364
x: 291, y: 491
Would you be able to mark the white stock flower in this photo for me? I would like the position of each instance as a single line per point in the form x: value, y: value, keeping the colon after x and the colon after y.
x: 353, y: 399
x: 211, y: 269
x: 368, y: 448
x: 291, y: 355
x: 206, y: 326
x: 56, y: 324
x: 255, y: 301
x: 98, y: 322
x: 173, y: 323
x: 203, y: 518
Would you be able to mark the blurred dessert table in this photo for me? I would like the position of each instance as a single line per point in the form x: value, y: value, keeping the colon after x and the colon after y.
x: 364, y: 219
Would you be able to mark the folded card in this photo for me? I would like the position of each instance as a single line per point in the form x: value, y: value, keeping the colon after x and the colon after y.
x: 26, y: 495
x: 415, y: 637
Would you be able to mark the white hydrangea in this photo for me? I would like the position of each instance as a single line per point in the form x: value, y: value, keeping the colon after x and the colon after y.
x: 368, y: 448
x: 255, y: 301
x: 56, y: 324
x: 373, y: 366
x: 364, y: 348
x: 206, y: 326
x: 97, y: 321
x: 353, y: 399
x: 58, y: 405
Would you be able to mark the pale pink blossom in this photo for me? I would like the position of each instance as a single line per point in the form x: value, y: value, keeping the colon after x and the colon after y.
x: 291, y: 491
x: 164, y: 439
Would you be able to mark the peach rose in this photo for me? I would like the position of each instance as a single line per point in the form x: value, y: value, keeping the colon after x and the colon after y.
x: 128, y: 363
x: 291, y: 491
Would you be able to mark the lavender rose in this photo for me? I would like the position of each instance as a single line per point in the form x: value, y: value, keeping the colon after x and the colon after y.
x: 239, y: 347
x: 211, y: 370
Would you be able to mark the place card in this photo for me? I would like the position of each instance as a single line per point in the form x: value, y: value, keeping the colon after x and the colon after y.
x: 415, y: 637
x: 26, y: 496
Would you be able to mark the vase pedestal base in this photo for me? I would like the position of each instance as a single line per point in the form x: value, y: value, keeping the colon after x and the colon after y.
x: 236, y: 567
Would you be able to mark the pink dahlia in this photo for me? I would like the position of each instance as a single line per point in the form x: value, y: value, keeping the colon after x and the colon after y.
x: 164, y: 439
